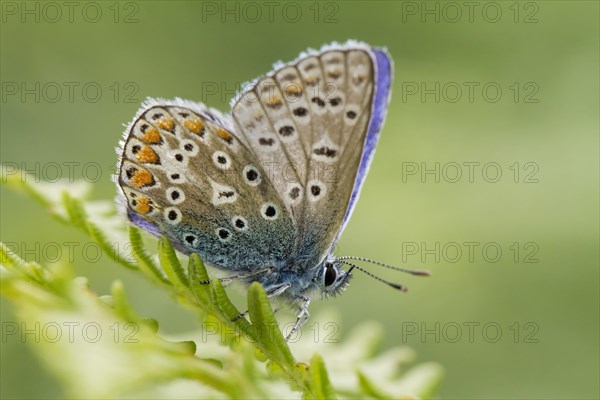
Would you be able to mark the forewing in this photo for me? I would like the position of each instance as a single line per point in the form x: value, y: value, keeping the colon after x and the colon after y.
x: 309, y: 121
x: 185, y: 174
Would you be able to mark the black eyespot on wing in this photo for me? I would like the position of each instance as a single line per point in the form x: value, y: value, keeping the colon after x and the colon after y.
x: 286, y: 130
x: 318, y: 101
x: 300, y: 111
x: 294, y: 193
x: 190, y: 239
x: 266, y: 142
x: 251, y: 175
x: 270, y: 211
x: 226, y: 194
x: 325, y: 151
x: 130, y: 172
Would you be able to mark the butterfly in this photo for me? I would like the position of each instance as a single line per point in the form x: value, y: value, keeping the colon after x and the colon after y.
x: 265, y: 192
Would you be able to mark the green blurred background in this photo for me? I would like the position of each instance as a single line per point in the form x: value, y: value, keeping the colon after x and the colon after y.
x: 542, y: 55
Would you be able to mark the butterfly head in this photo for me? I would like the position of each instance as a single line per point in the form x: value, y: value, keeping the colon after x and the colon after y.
x: 331, y: 278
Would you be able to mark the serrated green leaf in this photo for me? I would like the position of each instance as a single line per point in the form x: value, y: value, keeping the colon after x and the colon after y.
x: 321, y: 385
x: 200, y: 282
x: 75, y: 210
x: 96, y: 234
x: 209, y: 374
x: 230, y: 311
x: 369, y: 388
x: 31, y: 270
x: 121, y: 304
x: 187, y: 347
x: 171, y: 265
x: 267, y: 328
x: 151, y: 323
x: 145, y: 262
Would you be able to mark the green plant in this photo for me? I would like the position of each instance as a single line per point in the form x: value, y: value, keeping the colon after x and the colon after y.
x: 250, y: 359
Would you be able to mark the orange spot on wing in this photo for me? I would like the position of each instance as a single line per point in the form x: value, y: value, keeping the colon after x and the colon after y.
x: 334, y: 73
x: 226, y: 136
x: 194, y: 125
x: 151, y: 136
x: 166, y: 123
x: 311, y: 80
x: 142, y: 177
x: 273, y: 99
x: 143, y: 205
x: 293, y: 89
x: 147, y: 155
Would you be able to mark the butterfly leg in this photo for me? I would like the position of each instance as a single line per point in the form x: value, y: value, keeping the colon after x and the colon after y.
x: 240, y: 315
x: 278, y: 290
x: 275, y: 292
x: 303, y: 316
x: 228, y: 279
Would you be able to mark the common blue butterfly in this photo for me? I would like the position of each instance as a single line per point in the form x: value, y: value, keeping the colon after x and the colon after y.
x: 265, y: 192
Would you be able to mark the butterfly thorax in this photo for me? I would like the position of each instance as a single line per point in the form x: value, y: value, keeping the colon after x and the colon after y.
x: 294, y: 281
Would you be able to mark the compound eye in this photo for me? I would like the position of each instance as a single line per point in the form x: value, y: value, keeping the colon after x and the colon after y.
x: 330, y: 274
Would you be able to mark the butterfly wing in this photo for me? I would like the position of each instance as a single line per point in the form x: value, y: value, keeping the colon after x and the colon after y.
x: 381, y: 97
x: 184, y: 173
x: 315, y: 123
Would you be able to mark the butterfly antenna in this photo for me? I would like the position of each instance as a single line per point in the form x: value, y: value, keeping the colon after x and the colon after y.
x: 392, y: 284
x: 415, y: 272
